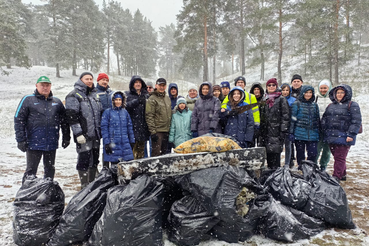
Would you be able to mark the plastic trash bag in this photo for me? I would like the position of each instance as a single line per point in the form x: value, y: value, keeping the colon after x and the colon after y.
x: 289, y: 188
x: 206, y: 144
x: 84, y: 210
x: 189, y: 222
x: 38, y: 205
x: 132, y: 215
x: 327, y: 199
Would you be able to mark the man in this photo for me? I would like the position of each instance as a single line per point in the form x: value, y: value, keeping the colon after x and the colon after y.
x: 225, y: 86
x: 296, y: 82
x: 150, y: 87
x: 136, y: 104
x: 158, y: 117
x: 37, y: 122
x: 258, y: 91
x: 83, y: 110
x: 103, y: 90
x: 173, y: 94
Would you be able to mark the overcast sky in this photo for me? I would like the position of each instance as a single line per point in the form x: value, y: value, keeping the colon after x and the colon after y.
x: 159, y: 12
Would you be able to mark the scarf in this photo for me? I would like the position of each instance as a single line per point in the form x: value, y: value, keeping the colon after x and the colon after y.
x: 271, y: 98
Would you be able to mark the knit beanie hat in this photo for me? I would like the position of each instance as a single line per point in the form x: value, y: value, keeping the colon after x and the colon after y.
x: 272, y: 81
x: 296, y: 76
x: 216, y: 87
x: 239, y: 78
x: 102, y: 76
x: 225, y: 84
x: 192, y: 87
x: 181, y: 100
x: 85, y: 73
x: 118, y: 95
x: 149, y: 84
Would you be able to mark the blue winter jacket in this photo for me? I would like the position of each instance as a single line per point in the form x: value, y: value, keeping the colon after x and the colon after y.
x: 240, y: 126
x: 38, y: 121
x: 340, y: 120
x: 305, y: 120
x: 104, y: 95
x: 117, y: 130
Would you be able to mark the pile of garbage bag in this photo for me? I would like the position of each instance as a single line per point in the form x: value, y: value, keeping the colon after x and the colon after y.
x: 218, y: 202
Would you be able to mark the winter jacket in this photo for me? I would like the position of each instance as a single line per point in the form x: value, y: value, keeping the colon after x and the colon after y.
x: 323, y: 101
x: 104, y: 95
x: 137, y: 110
x: 275, y: 122
x: 158, y: 112
x: 262, y: 92
x: 296, y: 92
x: 38, y: 121
x: 340, y: 120
x: 191, y: 102
x: 173, y: 99
x: 205, y: 115
x: 240, y: 126
x: 305, y: 120
x: 180, y: 128
x: 290, y: 99
x: 84, y: 110
x: 117, y: 131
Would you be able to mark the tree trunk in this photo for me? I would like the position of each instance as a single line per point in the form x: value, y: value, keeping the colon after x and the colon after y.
x: 118, y: 64
x: 347, y: 28
x: 57, y: 70
x: 74, y: 63
x: 336, y: 44
x: 205, y: 75
x: 232, y: 63
x: 108, y: 63
x: 280, y: 48
x: 242, y: 55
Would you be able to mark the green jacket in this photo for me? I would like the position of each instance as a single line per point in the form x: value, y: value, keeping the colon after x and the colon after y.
x: 158, y: 112
x: 180, y: 129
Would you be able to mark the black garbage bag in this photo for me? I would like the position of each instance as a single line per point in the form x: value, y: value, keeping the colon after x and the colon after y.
x: 283, y: 223
x: 189, y: 222
x: 84, y: 210
x: 132, y: 215
x: 327, y: 199
x: 38, y: 206
x: 289, y: 188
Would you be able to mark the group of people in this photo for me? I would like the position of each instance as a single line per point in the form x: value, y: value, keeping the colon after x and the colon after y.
x: 149, y: 115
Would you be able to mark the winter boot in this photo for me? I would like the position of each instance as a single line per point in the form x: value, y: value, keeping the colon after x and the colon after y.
x: 91, y: 174
x: 84, y: 178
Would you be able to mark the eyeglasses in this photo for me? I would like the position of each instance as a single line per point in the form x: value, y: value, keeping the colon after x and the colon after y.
x: 149, y: 87
x: 272, y: 85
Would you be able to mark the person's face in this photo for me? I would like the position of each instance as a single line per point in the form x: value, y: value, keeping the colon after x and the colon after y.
x: 340, y: 94
x: 216, y: 93
x: 88, y: 80
x: 137, y: 85
x: 225, y: 91
x: 117, y: 102
x: 308, y: 95
x: 272, y: 88
x: 236, y: 95
x: 257, y: 92
x: 182, y: 106
x: 286, y: 91
x: 296, y: 83
x: 173, y: 91
x: 240, y: 83
x: 161, y: 88
x: 205, y: 89
x: 44, y: 88
x: 103, y: 82
x: 192, y: 93
x: 323, y: 89
x: 150, y: 89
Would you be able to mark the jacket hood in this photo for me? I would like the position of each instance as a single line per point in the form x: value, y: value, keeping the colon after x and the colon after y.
x: 348, y: 93
x: 325, y: 82
x: 304, y: 89
x: 239, y: 89
x: 257, y: 85
x: 123, y: 100
x: 210, y: 93
x: 172, y: 85
x: 133, y: 80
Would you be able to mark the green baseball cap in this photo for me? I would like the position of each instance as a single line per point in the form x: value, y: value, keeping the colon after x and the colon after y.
x: 43, y: 79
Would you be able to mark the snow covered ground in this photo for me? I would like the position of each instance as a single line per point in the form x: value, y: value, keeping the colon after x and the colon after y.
x: 12, y: 162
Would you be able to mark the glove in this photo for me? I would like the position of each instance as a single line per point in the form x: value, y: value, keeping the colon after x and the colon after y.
x: 22, y: 146
x: 154, y: 137
x: 142, y: 99
x: 211, y: 130
x: 195, y: 134
x: 232, y: 113
x: 65, y: 143
x: 291, y: 137
x: 108, y: 149
x: 81, y: 139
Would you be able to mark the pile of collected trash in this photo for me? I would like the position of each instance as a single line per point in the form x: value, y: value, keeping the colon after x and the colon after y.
x: 218, y: 202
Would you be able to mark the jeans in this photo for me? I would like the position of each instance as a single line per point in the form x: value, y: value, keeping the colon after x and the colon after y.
x: 33, y: 160
x: 311, y: 149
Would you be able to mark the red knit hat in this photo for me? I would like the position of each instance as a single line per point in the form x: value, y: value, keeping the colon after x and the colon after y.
x: 102, y: 76
x: 272, y: 81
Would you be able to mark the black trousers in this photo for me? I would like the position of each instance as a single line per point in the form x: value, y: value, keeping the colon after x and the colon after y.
x: 33, y: 160
x: 88, y: 159
x: 274, y: 160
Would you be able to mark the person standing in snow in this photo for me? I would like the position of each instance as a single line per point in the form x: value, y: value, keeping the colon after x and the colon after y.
x: 341, y: 123
x: 275, y: 122
x: 296, y: 82
x: 258, y: 91
x: 217, y: 92
x: 158, y: 118
x: 37, y: 122
x: 239, y: 126
x: 117, y: 131
x: 103, y: 90
x: 226, y: 87
x: 305, y: 125
x: 192, y: 97
x: 83, y: 109
x: 150, y: 87
x: 173, y: 94
x: 180, y: 128
x: 136, y: 104
x: 322, y: 99
x: 205, y: 115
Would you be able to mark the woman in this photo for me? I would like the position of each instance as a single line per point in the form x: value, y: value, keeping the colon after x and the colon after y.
x: 180, y: 128
x: 274, y: 123
x: 205, y: 115
x: 341, y: 122
x: 117, y: 131
x: 192, y: 97
x: 239, y: 126
x: 305, y: 125
x: 217, y: 92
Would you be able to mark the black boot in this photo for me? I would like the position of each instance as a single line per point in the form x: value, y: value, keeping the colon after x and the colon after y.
x: 91, y: 174
x: 83, y: 178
